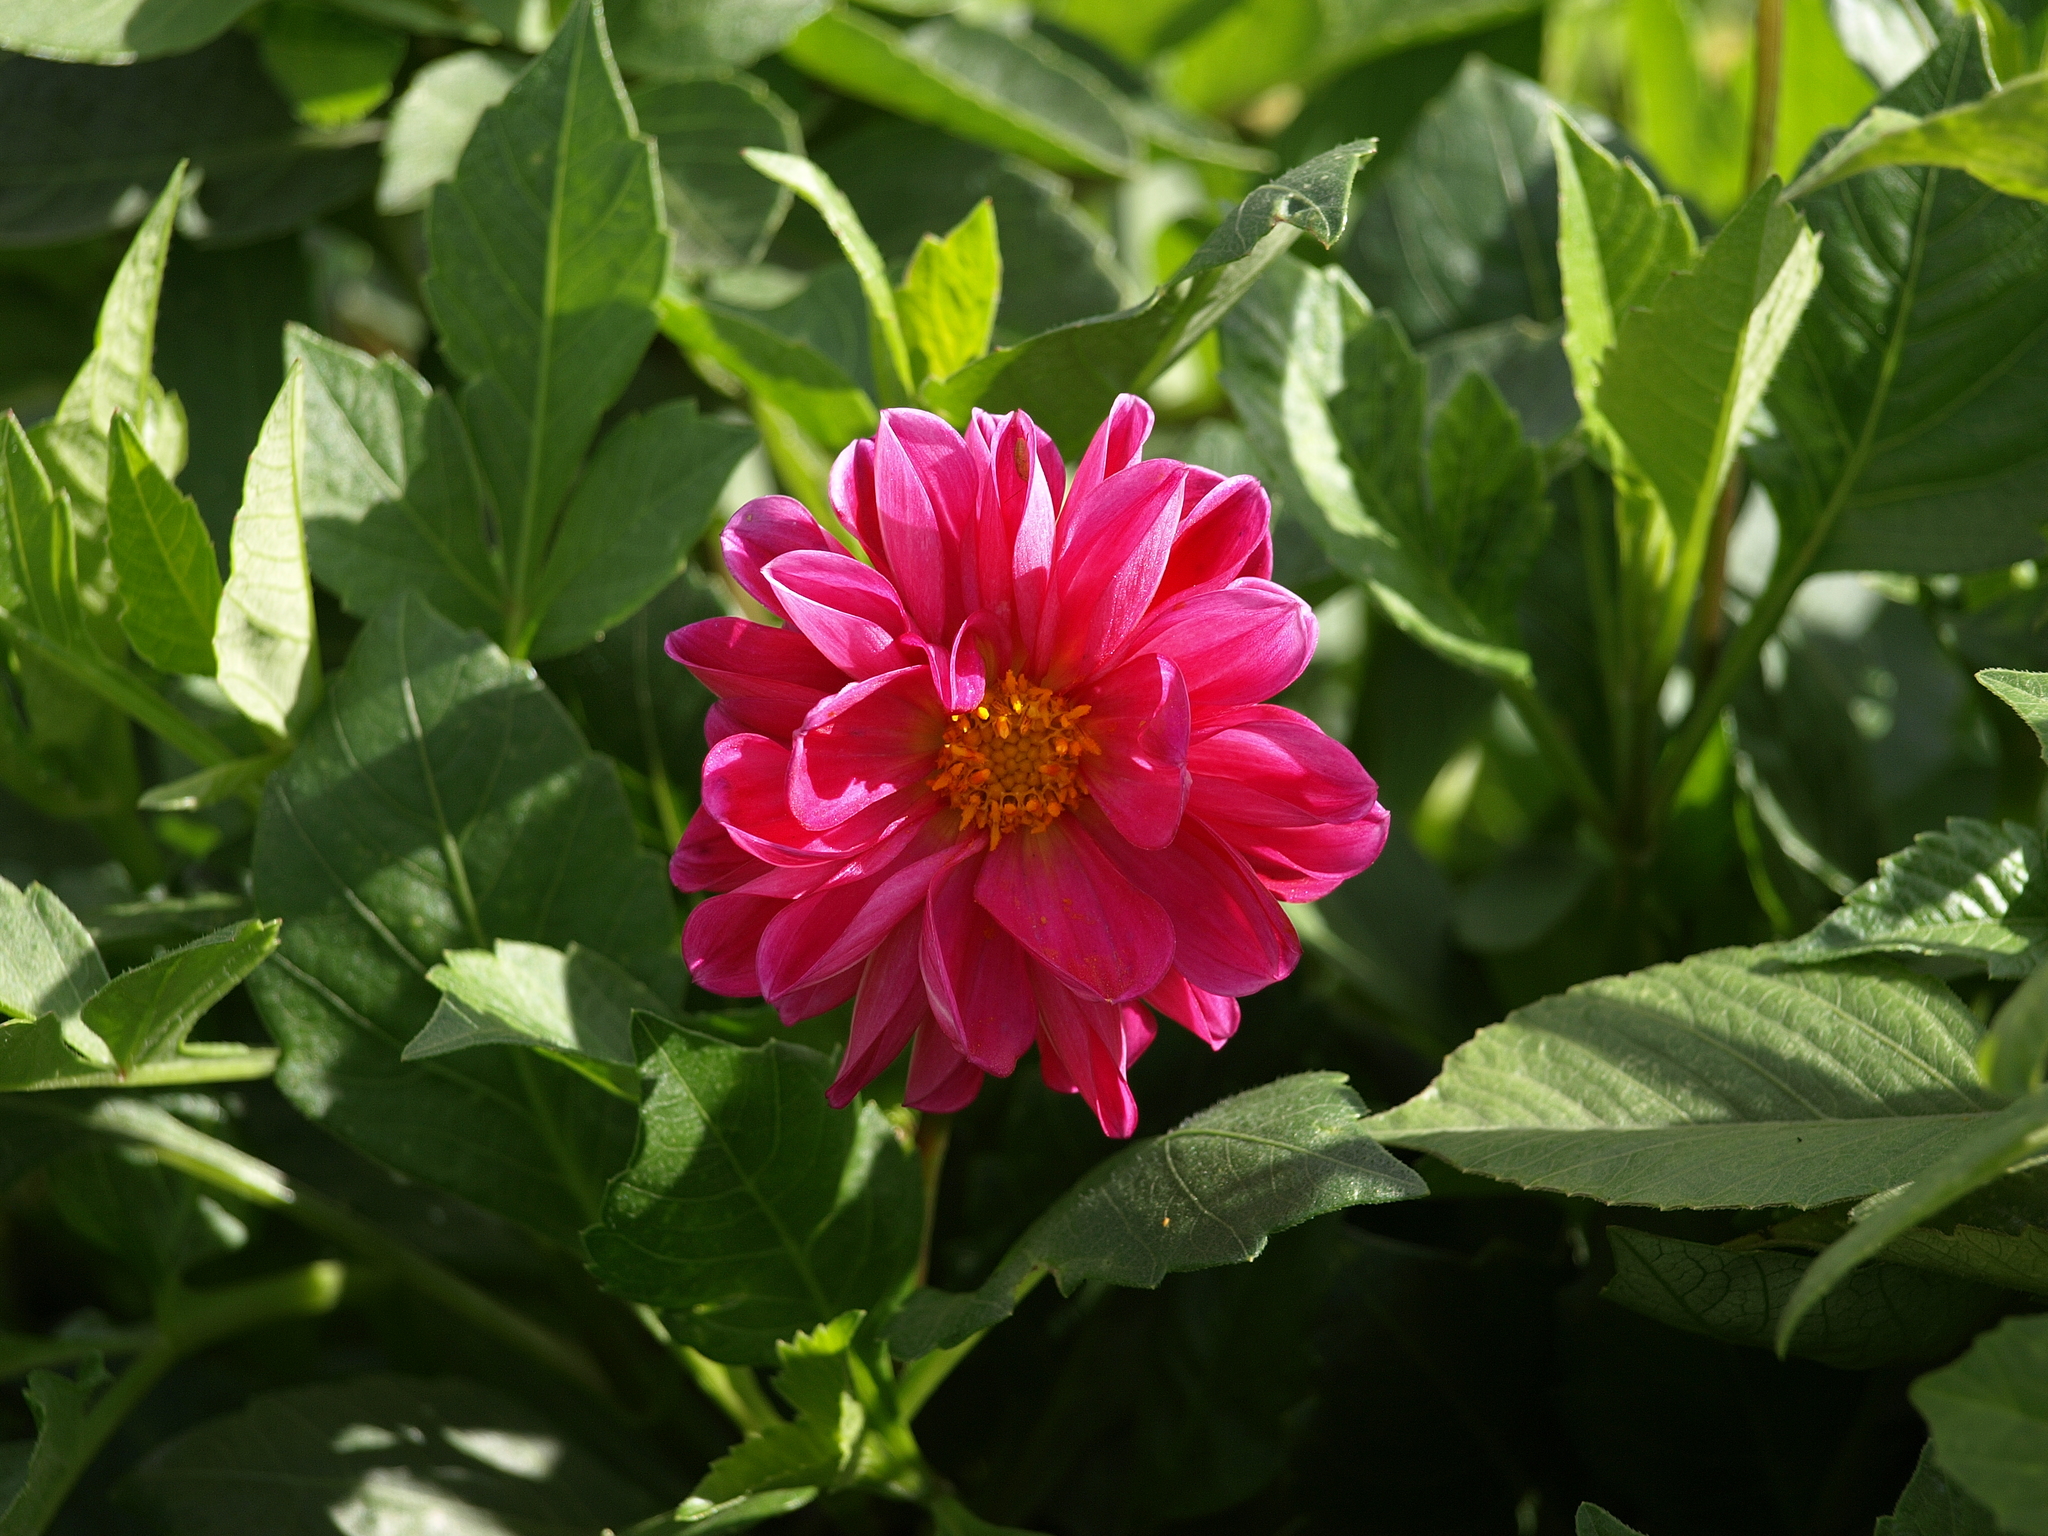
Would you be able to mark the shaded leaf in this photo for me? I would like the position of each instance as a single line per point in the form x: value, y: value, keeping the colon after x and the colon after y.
x: 680, y: 37
x: 39, y: 563
x: 63, y: 1444
x: 1988, y: 1414
x: 1717, y: 1081
x: 335, y: 68
x: 1933, y: 1505
x: 2001, y: 140
x: 211, y: 786
x: 2027, y: 693
x: 145, y: 1014
x: 2014, y: 1055
x: 721, y: 211
x: 1592, y: 1520
x: 1208, y: 1192
x: 751, y: 1209
x: 433, y: 121
x: 155, y: 1220
x: 48, y: 962
x: 170, y: 578
x: 2013, y: 1260
x: 114, y: 31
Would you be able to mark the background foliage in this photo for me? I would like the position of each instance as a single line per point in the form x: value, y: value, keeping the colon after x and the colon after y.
x: 378, y: 375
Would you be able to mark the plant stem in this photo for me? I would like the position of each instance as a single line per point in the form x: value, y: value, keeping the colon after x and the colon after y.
x: 1770, y: 68
x: 21, y: 1353
x: 1557, y: 745
x: 934, y: 1132
x: 1708, y: 618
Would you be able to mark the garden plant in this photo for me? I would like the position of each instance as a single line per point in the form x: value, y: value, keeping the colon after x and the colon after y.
x: 693, y: 687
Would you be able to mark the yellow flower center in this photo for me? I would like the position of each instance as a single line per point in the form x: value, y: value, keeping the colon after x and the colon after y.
x: 1014, y: 763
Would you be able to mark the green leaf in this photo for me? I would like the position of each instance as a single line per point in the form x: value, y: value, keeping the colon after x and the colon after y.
x: 642, y: 504
x: 1933, y: 1505
x: 39, y: 563
x: 546, y: 254
x: 2002, y: 140
x: 155, y: 1220
x: 1618, y: 241
x: 1988, y: 1414
x: 433, y: 122
x: 950, y: 294
x: 885, y: 328
x: 1488, y: 517
x: 1933, y: 302
x: 211, y: 786
x: 1592, y: 1520
x: 48, y: 962
x: 1971, y: 893
x: 63, y: 1445
x: 719, y: 209
x: 145, y: 1014
x: 814, y: 392
x: 2011, y: 1260
x: 170, y: 577
x: 114, y: 31
x: 573, y: 1001
x: 1886, y: 1314
x: 395, y: 1454
x: 125, y: 131
x: 335, y: 68
x: 1210, y: 1191
x: 265, y: 643
x: 751, y: 1208
x: 681, y: 37
x: 2027, y: 693
x: 1990, y: 1149
x: 442, y: 800
x: 1718, y: 1081
x: 1016, y: 92
x: 1068, y: 378
x: 42, y: 1055
x: 390, y: 488
x: 2014, y: 1056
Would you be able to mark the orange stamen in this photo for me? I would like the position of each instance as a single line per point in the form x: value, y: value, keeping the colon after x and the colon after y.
x: 1015, y: 770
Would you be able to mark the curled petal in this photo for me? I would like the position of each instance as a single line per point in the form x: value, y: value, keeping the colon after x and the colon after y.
x: 924, y: 494
x: 848, y: 611
x: 1307, y: 863
x: 1075, y: 912
x: 1210, y: 1018
x: 1229, y: 528
x: 1272, y: 767
x: 819, y: 997
x: 1087, y: 1047
x: 870, y: 741
x: 1110, y: 550
x: 851, y: 490
x: 941, y: 1079
x: 747, y: 787
x: 766, y: 527
x: 1115, y: 447
x: 722, y: 938
x: 975, y: 975
x: 886, y: 1012
x: 1237, y: 645
x: 1141, y: 720
x: 707, y: 859
x: 738, y: 659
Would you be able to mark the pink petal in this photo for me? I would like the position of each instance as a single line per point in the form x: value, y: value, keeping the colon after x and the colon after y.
x: 747, y: 787
x: 1093, y: 1044
x: 851, y: 490
x: 737, y: 658
x: 1239, y: 645
x: 840, y: 923
x: 1208, y: 1017
x: 1111, y: 547
x: 1141, y: 720
x: 993, y: 429
x: 1068, y: 905
x: 1230, y: 936
x: 975, y: 975
x: 924, y: 496
x: 886, y: 1013
x: 1306, y: 863
x: 1272, y: 767
x: 849, y: 611
x: 722, y: 938
x: 766, y: 527
x: 941, y: 1079
x: 819, y: 997
x: 866, y: 743
x: 707, y: 859
x: 1115, y: 447
x: 1229, y: 527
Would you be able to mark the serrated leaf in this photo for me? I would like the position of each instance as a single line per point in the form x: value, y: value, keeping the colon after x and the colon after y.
x: 1013, y: 91
x: 1208, y: 1192
x: 2013, y: 1260
x: 1592, y: 1520
x: 642, y: 504
x: 1885, y: 1315
x: 433, y: 121
x: 1932, y: 301
x: 1988, y: 1414
x: 751, y: 1208
x: 114, y: 31
x: 2001, y: 140
x: 442, y: 800
x: 721, y: 212
x: 145, y: 1014
x: 1488, y: 516
x: 1973, y: 892
x: 265, y: 643
x: 169, y: 574
x: 950, y: 295
x: 572, y: 1000
x: 2027, y: 693
x: 1718, y: 1081
x: 399, y: 1455
x: 45, y: 1054
x: 546, y: 253
x: 39, y: 560
x: 48, y: 962
x: 1933, y: 1505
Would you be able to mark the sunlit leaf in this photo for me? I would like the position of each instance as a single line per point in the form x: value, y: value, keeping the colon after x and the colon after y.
x: 1988, y: 1413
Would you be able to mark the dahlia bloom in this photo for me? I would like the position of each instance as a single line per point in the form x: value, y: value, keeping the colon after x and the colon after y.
x: 1012, y: 782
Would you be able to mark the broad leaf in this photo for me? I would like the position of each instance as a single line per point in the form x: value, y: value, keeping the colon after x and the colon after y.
x: 1988, y: 1414
x: 1009, y: 91
x: 950, y: 295
x: 48, y: 962
x: 627, y: 531
x: 169, y: 575
x: 2012, y: 1260
x: 335, y: 68
x: 1068, y: 378
x: 63, y: 1445
x: 145, y: 1014
x: 684, y: 37
x: 1210, y: 1191
x: 751, y: 1208
x: 1719, y: 1081
x: 2002, y: 140
x: 266, y: 646
x: 1934, y: 1505
x: 442, y: 800
x: 398, y: 1455
x: 2014, y: 1056
x: 546, y: 253
x: 1974, y: 892
x: 1886, y: 1314
x: 721, y: 211
x: 1932, y: 302
x: 114, y: 31
x: 433, y: 121
x: 2027, y: 693
x: 574, y: 1001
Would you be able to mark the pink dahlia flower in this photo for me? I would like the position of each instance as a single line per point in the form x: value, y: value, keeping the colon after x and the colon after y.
x: 1013, y: 781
